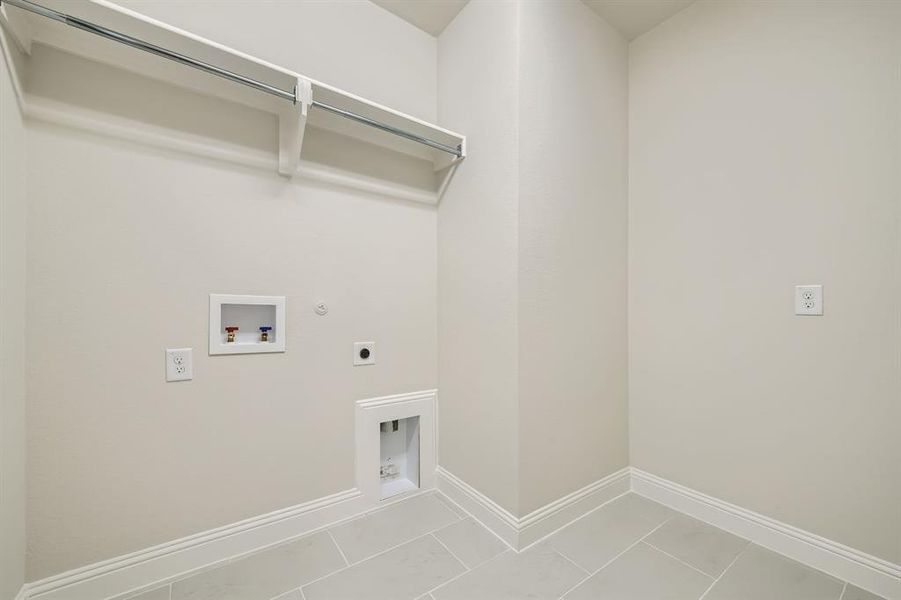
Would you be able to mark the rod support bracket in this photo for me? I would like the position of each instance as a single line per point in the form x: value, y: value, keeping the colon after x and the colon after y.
x: 292, y: 122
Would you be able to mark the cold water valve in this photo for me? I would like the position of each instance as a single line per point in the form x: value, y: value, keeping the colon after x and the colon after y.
x: 264, y: 333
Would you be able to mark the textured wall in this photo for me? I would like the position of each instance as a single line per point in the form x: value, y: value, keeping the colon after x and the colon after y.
x: 12, y: 333
x: 127, y: 241
x: 532, y: 251
x: 765, y: 152
x: 572, y: 251
x: 477, y: 252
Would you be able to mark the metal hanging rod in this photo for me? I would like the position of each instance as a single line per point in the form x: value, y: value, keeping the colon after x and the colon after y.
x: 220, y: 72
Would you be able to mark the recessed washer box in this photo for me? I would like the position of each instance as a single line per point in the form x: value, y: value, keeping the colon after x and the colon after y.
x: 248, y: 314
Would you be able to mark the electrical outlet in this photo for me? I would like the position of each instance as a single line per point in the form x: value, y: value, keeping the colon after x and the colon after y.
x: 179, y: 364
x: 809, y: 300
x: 364, y: 353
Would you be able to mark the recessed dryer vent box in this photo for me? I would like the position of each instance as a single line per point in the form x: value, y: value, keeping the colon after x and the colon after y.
x: 255, y: 317
x: 399, y: 468
x: 395, y: 445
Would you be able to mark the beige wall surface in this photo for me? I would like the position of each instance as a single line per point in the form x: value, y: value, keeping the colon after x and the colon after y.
x: 477, y: 253
x: 765, y: 146
x: 572, y: 250
x: 352, y: 44
x: 125, y: 243
x: 12, y: 335
x: 532, y: 251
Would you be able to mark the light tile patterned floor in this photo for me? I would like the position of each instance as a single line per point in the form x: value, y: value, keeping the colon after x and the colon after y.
x: 425, y: 548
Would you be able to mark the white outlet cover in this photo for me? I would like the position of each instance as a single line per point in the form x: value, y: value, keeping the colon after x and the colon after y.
x: 809, y: 300
x: 359, y: 347
x: 179, y: 364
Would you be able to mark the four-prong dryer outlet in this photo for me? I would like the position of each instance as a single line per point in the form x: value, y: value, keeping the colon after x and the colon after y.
x: 364, y: 353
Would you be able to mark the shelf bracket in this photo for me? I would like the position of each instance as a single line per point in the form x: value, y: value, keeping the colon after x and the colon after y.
x: 292, y: 122
x: 443, y: 161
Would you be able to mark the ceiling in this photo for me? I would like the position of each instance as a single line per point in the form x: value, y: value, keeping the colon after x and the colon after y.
x: 634, y: 17
x: 432, y: 16
x: 630, y: 17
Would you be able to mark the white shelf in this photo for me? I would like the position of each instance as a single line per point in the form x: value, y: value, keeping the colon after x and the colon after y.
x: 294, y: 120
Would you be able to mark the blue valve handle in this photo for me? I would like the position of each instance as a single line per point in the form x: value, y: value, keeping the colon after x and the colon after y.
x: 265, y: 328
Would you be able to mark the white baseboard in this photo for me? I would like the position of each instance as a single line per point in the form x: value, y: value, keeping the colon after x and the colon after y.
x: 168, y: 562
x: 158, y: 565
x: 521, y: 532
x: 481, y: 507
x: 863, y: 570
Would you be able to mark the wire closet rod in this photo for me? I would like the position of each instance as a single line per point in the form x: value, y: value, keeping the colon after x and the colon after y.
x: 220, y: 72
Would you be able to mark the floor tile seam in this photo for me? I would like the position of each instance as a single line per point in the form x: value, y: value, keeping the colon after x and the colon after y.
x: 456, y: 577
x: 569, y: 523
x: 361, y: 561
x: 338, y: 546
x: 286, y: 592
x: 446, y: 525
x: 568, y: 559
x: 451, y: 552
x: 237, y: 558
x: 676, y: 558
x: 324, y: 529
x: 844, y: 589
x: 609, y: 562
x: 468, y: 515
x: 726, y: 570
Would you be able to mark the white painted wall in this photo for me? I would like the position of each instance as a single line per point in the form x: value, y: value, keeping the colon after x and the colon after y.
x: 478, y: 91
x: 12, y: 333
x: 353, y: 44
x: 125, y: 243
x: 765, y: 153
x: 573, y: 149
x: 532, y: 251
x: 750, y: 122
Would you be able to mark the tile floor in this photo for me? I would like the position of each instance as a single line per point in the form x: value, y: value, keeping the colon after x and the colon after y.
x: 425, y: 548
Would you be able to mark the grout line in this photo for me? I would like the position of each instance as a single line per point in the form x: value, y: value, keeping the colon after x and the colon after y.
x: 435, y: 537
x: 338, y: 546
x: 676, y: 558
x: 171, y: 585
x: 456, y: 577
x: 602, y: 567
x: 302, y: 597
x: 445, y: 500
x: 469, y: 515
x: 844, y: 589
x: 351, y: 565
x: 579, y: 518
x: 285, y: 594
x: 726, y: 570
x: 230, y: 560
x: 569, y: 559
